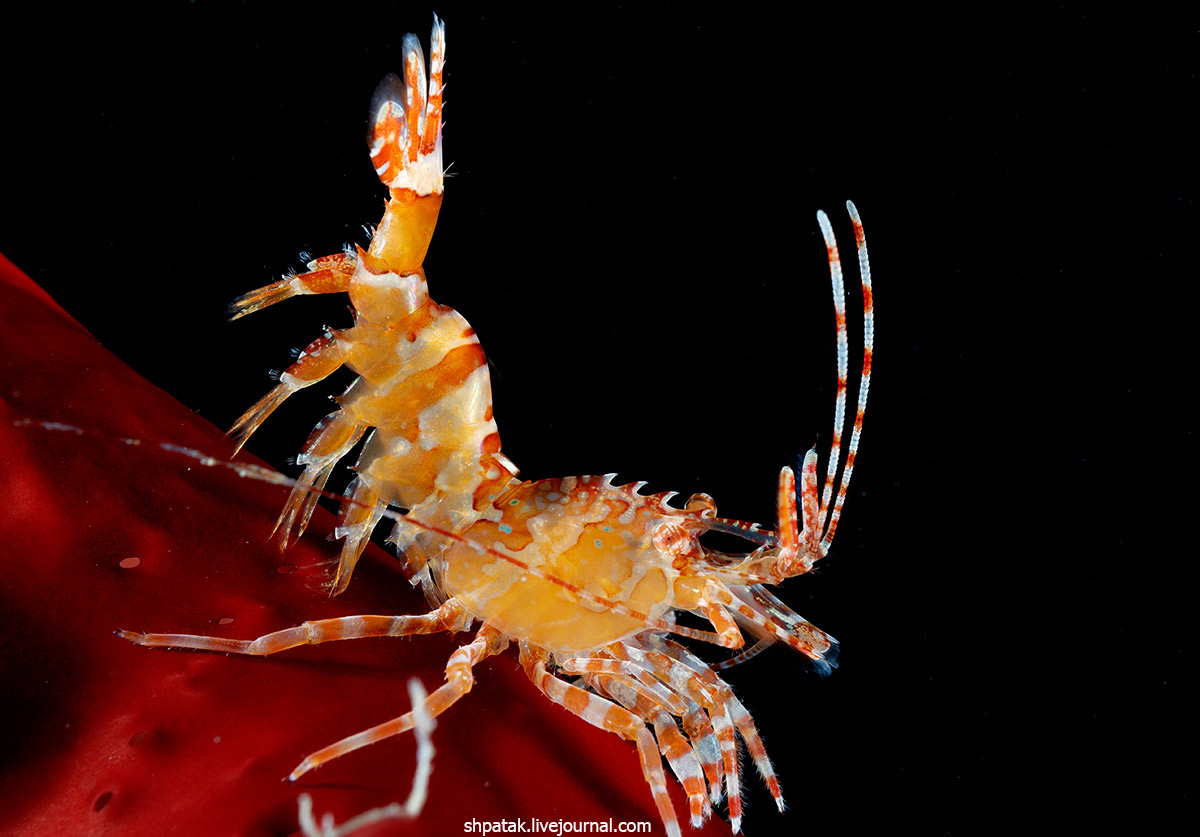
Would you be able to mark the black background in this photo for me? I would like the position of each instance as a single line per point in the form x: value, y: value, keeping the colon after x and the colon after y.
x: 630, y: 228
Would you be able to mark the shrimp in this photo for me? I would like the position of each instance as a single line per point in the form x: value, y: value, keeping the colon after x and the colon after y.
x: 582, y: 575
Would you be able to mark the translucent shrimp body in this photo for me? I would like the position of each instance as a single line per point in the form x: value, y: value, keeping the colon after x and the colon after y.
x: 584, y: 576
x: 582, y: 533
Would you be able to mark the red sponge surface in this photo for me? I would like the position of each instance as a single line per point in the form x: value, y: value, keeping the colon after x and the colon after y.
x: 104, y: 737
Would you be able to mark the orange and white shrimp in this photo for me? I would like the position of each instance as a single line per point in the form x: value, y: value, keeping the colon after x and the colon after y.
x: 584, y: 576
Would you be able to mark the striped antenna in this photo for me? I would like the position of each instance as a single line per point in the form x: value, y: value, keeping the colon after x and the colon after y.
x: 843, y: 363
x: 864, y: 268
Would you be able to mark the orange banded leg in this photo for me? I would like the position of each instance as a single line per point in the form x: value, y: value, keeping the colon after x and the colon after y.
x: 698, y: 727
x: 737, y: 713
x: 680, y: 754
x: 733, y: 710
x: 696, y: 721
x: 756, y: 604
x: 449, y: 617
x: 329, y: 442
x: 723, y: 729
x: 607, y: 716
x: 670, y: 667
x: 712, y: 605
x: 326, y: 275
x: 627, y: 671
x: 316, y: 363
x: 684, y: 763
x: 459, y: 680
x: 758, y: 751
x: 760, y: 606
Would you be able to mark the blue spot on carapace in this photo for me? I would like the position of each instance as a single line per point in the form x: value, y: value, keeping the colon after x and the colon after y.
x: 505, y: 528
x: 597, y: 543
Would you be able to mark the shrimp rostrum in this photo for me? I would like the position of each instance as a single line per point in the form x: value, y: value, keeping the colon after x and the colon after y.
x: 582, y: 575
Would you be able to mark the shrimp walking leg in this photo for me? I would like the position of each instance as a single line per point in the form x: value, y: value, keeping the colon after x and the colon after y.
x: 716, y: 597
x: 449, y: 617
x: 652, y: 708
x: 685, y: 674
x: 736, y: 713
x: 697, y: 721
x: 459, y: 680
x: 607, y: 716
